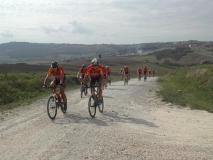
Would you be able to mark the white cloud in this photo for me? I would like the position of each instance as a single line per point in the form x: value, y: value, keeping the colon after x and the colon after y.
x: 112, y: 21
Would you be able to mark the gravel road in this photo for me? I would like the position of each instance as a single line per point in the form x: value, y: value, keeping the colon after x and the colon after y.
x: 135, y: 125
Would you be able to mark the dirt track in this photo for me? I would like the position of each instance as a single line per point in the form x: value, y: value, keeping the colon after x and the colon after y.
x: 135, y: 125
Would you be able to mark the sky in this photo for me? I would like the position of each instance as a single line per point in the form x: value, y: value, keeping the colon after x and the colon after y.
x: 105, y: 21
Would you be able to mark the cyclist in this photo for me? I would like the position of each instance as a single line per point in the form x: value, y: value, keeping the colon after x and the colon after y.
x: 59, y: 79
x: 139, y: 72
x: 108, y: 71
x: 145, y: 70
x: 81, y: 74
x: 95, y: 71
x: 126, y: 72
x: 105, y: 77
x: 121, y: 73
x: 150, y: 73
x: 153, y: 73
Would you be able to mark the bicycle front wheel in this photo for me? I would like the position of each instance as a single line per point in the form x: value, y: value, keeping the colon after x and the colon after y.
x: 82, y: 90
x: 92, y: 107
x: 51, y: 108
x: 101, y: 106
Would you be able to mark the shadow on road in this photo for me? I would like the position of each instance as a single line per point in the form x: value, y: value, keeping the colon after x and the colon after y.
x: 77, y: 118
x: 125, y: 119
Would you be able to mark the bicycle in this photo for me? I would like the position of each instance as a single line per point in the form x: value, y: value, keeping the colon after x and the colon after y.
x: 145, y: 78
x: 83, y: 90
x: 54, y: 102
x: 109, y: 81
x: 93, y: 102
x: 125, y: 80
x: 139, y: 77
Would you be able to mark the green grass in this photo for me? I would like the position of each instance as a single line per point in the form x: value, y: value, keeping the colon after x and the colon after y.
x: 196, y: 84
x: 151, y: 59
x: 18, y: 89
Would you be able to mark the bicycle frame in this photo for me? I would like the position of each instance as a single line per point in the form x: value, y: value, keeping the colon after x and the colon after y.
x: 57, y: 95
x: 55, y: 101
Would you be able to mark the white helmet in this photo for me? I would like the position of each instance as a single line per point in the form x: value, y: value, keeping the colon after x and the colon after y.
x: 94, y: 62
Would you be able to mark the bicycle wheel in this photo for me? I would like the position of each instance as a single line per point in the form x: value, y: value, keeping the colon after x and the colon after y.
x: 109, y: 81
x: 82, y: 91
x: 51, y: 108
x: 101, y: 106
x: 92, y: 107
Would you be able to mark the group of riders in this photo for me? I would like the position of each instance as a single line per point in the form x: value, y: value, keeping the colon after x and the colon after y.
x: 94, y: 73
x: 126, y: 72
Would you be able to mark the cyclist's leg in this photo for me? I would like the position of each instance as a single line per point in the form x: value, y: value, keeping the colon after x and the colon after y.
x: 92, y: 82
x: 100, y: 89
x: 62, y: 91
x: 53, y: 83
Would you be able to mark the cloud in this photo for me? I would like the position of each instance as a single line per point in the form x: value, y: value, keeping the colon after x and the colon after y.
x: 94, y: 21
x: 50, y: 29
x: 7, y: 34
x: 79, y: 28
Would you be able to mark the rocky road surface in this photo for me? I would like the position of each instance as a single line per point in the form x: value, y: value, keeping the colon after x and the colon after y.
x: 135, y: 125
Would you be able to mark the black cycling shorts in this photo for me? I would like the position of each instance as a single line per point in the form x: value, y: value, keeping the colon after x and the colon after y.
x: 94, y: 80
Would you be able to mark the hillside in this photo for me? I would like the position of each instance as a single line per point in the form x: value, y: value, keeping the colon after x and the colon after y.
x: 43, y: 53
x: 195, y: 83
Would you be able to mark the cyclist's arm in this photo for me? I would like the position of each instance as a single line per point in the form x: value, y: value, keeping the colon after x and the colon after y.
x: 46, y: 79
x: 61, y: 78
x: 78, y: 75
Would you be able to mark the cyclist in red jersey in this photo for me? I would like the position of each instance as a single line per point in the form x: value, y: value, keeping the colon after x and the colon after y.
x: 145, y: 70
x: 105, y: 77
x: 139, y: 72
x: 59, y: 79
x: 95, y: 71
x: 121, y: 73
x: 81, y: 74
x: 126, y: 71
x: 150, y: 73
x: 153, y: 73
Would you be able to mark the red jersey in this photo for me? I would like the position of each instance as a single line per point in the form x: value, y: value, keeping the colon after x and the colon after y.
x: 104, y: 71
x: 82, y: 71
x: 108, y: 70
x: 139, y: 70
x: 126, y: 70
x: 94, y: 72
x: 144, y: 69
x: 57, y: 74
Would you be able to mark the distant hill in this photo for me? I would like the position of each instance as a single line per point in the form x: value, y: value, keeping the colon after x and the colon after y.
x: 175, y: 54
x: 43, y: 53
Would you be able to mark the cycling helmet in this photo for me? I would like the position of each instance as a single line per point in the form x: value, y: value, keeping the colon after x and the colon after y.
x: 83, y: 65
x: 106, y: 66
x: 54, y: 64
x: 94, y: 62
x: 125, y: 67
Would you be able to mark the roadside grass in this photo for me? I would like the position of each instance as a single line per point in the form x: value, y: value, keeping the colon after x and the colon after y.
x: 196, y: 84
x: 18, y: 89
